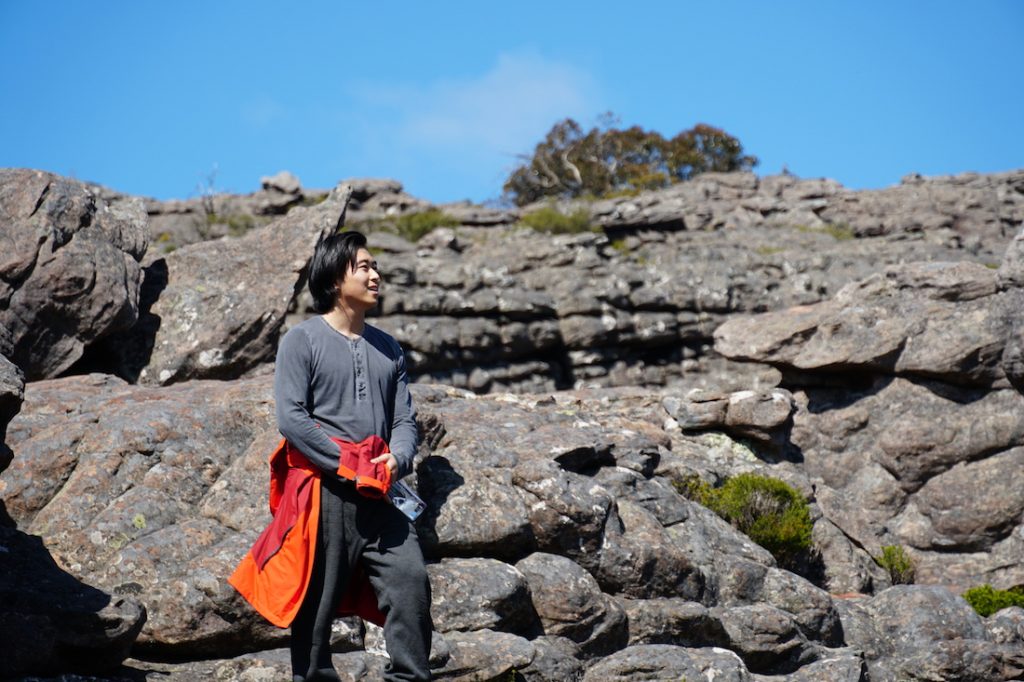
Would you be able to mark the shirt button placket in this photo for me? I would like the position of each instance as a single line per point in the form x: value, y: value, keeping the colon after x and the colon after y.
x: 360, y: 360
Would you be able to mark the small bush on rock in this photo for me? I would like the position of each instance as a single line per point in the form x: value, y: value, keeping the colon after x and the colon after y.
x: 410, y: 226
x: 898, y: 564
x: 695, y: 488
x: 549, y: 219
x: 986, y: 600
x: 413, y: 226
x: 772, y: 513
x: 237, y: 223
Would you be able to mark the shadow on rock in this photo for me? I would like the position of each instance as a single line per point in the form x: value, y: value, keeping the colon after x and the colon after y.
x: 127, y: 353
x: 437, y: 480
x: 51, y: 622
x: 858, y: 387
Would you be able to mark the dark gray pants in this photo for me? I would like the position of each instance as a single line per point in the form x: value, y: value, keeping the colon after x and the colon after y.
x: 354, y: 526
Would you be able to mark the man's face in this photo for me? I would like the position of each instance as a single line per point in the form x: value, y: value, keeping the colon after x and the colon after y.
x: 361, y: 287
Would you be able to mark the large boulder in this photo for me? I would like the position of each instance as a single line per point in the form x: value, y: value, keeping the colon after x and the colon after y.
x: 69, y: 269
x: 473, y: 511
x: 928, y: 633
x: 766, y: 638
x: 480, y: 594
x: 947, y: 321
x: 215, y: 309
x: 570, y: 604
x: 129, y: 487
x: 668, y: 662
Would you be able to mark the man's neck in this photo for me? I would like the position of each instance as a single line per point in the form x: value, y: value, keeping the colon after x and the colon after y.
x: 346, y: 320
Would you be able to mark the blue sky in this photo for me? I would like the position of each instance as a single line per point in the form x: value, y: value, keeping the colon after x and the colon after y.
x: 151, y: 97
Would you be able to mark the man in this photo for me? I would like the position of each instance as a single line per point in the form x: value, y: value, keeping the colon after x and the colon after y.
x: 344, y: 409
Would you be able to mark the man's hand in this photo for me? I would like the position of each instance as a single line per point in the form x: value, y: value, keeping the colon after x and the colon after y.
x: 389, y: 460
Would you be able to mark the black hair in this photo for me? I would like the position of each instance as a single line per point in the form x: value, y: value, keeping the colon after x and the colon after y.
x: 331, y: 260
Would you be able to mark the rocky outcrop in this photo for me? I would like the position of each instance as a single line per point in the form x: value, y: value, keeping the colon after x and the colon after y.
x: 69, y: 269
x: 500, y: 309
x: 559, y: 544
x: 132, y: 523
x: 903, y: 398
x: 490, y: 306
x: 511, y: 310
x: 215, y: 214
x: 982, y: 211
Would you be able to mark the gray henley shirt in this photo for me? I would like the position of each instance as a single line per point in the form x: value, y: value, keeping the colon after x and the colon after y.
x: 328, y: 385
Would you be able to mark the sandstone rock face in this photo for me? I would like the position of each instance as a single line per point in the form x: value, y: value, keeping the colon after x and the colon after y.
x: 160, y: 498
x: 69, y: 269
x: 922, y: 320
x: 513, y: 310
x: 215, y: 309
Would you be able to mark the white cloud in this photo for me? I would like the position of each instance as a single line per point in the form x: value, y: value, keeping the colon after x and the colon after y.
x: 260, y: 112
x: 503, y: 112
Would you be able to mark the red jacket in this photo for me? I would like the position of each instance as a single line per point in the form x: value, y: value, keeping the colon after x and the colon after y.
x: 274, y: 575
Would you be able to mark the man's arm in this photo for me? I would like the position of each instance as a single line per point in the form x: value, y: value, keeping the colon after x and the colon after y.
x: 292, y: 377
x: 405, y: 435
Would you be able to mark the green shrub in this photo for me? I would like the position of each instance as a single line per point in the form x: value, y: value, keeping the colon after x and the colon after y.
x: 549, y: 219
x: 986, y: 600
x: 314, y: 199
x: 898, y: 564
x: 621, y: 245
x: 772, y: 513
x: 237, y: 223
x: 694, y: 488
x: 838, y: 231
x: 413, y: 226
x: 410, y: 226
x: 618, y: 193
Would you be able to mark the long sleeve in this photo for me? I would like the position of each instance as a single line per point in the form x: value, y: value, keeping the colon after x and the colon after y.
x: 292, y: 392
x: 404, y: 432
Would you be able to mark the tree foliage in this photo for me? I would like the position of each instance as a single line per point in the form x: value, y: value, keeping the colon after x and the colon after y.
x: 606, y: 160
